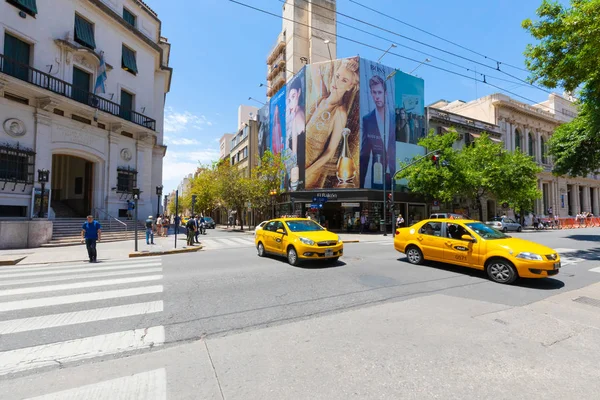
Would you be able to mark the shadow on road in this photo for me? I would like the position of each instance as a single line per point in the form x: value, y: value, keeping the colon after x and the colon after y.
x: 541, y: 284
x: 585, y: 238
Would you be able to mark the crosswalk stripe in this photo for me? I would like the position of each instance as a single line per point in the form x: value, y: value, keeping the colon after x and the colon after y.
x: 562, y: 251
x: 597, y: 269
x: 104, y: 264
x: 223, y: 242
x: 78, y: 298
x: 79, y: 276
x: 79, y: 285
x: 79, y: 349
x: 78, y: 317
x: 150, y: 385
x: 69, y: 271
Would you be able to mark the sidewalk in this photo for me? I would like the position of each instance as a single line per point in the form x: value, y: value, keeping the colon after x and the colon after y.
x: 106, y: 251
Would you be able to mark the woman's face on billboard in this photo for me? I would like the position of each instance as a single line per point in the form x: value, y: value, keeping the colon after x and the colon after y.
x: 344, y: 81
x: 292, y: 99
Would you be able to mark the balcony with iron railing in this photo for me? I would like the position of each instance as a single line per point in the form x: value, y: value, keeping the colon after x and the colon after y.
x: 62, y: 88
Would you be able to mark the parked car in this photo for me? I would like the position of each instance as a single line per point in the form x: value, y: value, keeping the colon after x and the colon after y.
x: 260, y: 226
x: 209, y: 222
x: 505, y: 224
x: 476, y: 245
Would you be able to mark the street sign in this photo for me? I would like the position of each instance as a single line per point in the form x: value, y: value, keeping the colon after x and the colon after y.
x: 316, y: 205
x: 319, y: 199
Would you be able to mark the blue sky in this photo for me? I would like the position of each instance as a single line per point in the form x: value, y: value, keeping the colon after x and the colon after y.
x: 219, y: 50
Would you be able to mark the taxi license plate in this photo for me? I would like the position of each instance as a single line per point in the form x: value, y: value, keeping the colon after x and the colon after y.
x: 328, y: 253
x: 557, y: 265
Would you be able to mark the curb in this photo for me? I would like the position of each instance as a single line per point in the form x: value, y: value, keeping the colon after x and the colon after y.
x: 165, y: 252
x: 11, y: 261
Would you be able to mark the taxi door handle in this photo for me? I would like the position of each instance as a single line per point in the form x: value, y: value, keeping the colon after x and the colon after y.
x: 420, y: 238
x: 449, y: 244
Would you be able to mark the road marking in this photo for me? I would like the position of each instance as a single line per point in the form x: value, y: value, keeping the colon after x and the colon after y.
x: 597, y: 269
x: 79, y: 349
x: 70, y: 271
x: 78, y: 298
x: 79, y: 285
x: 150, y: 385
x: 27, y: 268
x: 79, y: 276
x: 563, y: 251
x: 78, y: 317
x: 245, y: 242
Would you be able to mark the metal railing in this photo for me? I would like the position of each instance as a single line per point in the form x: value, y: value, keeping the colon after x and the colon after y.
x: 62, y: 88
x: 110, y: 218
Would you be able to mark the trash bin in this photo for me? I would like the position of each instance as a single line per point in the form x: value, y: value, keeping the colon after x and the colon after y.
x: 382, y: 225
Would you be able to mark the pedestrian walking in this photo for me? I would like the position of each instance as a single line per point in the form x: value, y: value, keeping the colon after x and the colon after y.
x: 190, y: 226
x: 159, y: 225
x: 91, y: 232
x: 399, y: 221
x: 149, y: 231
x: 166, y: 222
x: 197, y: 226
x: 363, y: 223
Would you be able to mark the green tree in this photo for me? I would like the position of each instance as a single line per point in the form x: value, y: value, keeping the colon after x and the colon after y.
x: 204, y: 188
x: 567, y: 56
x: 172, y: 206
x: 267, y: 176
x: 233, y: 189
x: 478, y: 171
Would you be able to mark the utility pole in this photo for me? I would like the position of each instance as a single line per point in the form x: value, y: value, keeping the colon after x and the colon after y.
x: 176, y: 215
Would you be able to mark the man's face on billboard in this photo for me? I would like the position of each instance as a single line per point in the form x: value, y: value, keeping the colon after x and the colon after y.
x: 378, y: 94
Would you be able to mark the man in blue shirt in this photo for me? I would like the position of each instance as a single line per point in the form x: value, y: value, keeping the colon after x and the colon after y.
x: 91, y: 231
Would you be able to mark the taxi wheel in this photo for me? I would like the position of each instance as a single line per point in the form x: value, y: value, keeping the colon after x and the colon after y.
x: 292, y: 256
x: 414, y: 255
x: 261, y: 249
x: 501, y: 271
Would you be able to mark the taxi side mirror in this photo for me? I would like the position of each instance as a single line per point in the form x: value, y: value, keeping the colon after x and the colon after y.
x: 281, y: 231
x: 467, y: 238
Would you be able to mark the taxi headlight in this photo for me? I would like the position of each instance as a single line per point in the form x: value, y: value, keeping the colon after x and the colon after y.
x: 530, y: 256
x: 307, y: 241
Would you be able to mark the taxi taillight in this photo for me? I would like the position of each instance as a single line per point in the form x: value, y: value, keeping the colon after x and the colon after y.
x: 397, y: 232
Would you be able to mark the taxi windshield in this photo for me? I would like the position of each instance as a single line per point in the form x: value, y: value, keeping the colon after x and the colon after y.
x: 303, y: 226
x: 486, y: 232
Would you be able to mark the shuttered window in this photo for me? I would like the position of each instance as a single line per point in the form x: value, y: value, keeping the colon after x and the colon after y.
x: 129, y: 17
x: 128, y: 62
x: 16, y: 61
x: 29, y: 6
x: 84, y: 33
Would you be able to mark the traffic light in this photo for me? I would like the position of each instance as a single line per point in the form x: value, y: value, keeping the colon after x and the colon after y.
x: 436, y: 160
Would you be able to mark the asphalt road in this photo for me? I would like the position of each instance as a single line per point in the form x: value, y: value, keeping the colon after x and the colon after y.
x: 59, y: 317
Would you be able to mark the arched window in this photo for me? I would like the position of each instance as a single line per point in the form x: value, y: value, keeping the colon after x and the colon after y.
x: 517, y: 139
x: 531, y: 145
x: 544, y: 150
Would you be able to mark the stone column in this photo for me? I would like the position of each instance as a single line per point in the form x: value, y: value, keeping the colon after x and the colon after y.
x: 595, y: 203
x: 43, y: 150
x: 538, y: 147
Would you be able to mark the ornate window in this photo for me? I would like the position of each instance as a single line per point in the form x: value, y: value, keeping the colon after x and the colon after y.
x: 518, y: 144
x: 16, y: 164
x: 544, y: 150
x: 126, y: 179
x: 531, y: 143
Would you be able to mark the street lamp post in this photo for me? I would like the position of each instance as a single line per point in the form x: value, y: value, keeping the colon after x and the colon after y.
x: 159, y: 190
x: 136, y: 197
x: 421, y: 63
x: 392, y: 46
x: 43, y: 179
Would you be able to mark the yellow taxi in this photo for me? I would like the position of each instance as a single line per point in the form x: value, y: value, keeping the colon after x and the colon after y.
x: 473, y: 244
x: 298, y: 239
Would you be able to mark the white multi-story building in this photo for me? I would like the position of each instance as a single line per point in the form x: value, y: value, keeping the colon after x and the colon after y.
x: 528, y: 128
x: 96, y: 147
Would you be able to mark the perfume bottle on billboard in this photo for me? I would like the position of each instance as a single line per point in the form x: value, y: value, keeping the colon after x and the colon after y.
x: 346, y: 169
x: 378, y: 171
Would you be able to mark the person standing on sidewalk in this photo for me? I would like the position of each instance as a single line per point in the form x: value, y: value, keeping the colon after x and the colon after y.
x: 91, y: 232
x: 191, y: 230
x: 149, y: 232
x: 159, y: 224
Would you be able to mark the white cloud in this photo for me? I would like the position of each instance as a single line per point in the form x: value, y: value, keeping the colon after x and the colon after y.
x: 183, y: 121
x: 178, y: 164
x: 182, y: 142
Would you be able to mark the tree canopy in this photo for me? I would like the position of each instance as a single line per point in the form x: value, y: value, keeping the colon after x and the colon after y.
x: 567, y: 55
x: 480, y: 170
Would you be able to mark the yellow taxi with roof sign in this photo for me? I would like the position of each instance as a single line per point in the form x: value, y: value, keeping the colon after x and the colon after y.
x: 473, y: 244
x: 298, y: 239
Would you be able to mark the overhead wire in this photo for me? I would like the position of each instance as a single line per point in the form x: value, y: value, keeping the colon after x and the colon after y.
x: 389, y: 52
x: 438, y: 37
x: 395, y: 43
x: 497, y: 68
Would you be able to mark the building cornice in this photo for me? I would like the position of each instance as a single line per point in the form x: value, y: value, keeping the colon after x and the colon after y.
x: 525, y: 109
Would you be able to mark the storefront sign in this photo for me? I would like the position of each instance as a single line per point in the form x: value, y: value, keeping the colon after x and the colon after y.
x: 329, y: 196
x: 350, y: 205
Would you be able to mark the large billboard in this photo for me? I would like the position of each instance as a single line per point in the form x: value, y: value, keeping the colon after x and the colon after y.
x: 264, y: 131
x: 333, y: 124
x: 411, y: 123
x: 277, y: 124
x: 377, y: 99
x: 295, y: 125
